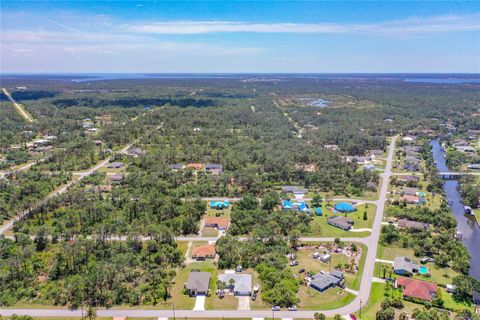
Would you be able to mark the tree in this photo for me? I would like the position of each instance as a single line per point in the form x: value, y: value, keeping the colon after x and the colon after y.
x: 319, y: 316
x: 337, y: 317
x: 317, y: 200
x: 365, y: 216
x: 385, y: 314
x: 91, y: 313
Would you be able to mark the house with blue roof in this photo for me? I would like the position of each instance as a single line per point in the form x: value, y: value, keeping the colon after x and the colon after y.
x: 345, y: 207
x: 219, y: 205
x: 298, y: 206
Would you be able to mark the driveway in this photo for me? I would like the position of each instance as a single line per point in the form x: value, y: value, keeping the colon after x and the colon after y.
x: 243, y: 302
x: 199, y: 302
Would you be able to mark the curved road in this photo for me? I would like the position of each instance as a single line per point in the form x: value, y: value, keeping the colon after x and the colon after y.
x: 360, y: 300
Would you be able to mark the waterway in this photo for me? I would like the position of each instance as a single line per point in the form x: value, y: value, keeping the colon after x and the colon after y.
x: 465, y: 224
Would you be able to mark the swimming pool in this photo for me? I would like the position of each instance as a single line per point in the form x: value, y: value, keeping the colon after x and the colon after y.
x: 423, y: 270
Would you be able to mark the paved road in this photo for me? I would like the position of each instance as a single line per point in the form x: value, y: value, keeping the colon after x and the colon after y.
x: 4, y: 228
x: 18, y: 106
x: 360, y: 300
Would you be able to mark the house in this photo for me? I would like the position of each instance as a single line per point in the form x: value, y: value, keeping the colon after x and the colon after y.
x: 407, y: 179
x: 465, y: 149
x: 298, y: 192
x: 217, y: 222
x: 413, y: 199
x: 177, y: 166
x: 198, y: 283
x: 323, y: 281
x: 115, y: 165
x: 203, y: 252
x: 116, y: 178
x: 341, y: 222
x: 325, y: 258
x: 344, y: 207
x: 213, y: 168
x: 417, y: 289
x: 412, y: 160
x: 195, y: 166
x: 404, y: 266
x: 405, y: 223
x: 238, y: 284
x: 295, y: 206
x: 358, y: 159
x: 369, y: 167
x: 136, y: 152
x: 408, y: 139
x: 409, y: 191
x: 375, y: 153
x: 219, y: 205
x: 333, y: 147
x: 410, y: 167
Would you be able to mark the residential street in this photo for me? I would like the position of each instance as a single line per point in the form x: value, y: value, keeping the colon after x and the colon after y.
x: 360, y: 300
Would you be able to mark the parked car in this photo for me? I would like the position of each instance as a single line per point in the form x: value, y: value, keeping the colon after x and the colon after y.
x: 292, y: 308
x: 352, y: 316
x: 301, y: 270
x: 293, y: 263
x: 276, y: 308
x: 254, y: 297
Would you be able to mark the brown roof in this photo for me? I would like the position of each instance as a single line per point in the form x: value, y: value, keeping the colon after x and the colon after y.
x: 410, y: 199
x: 419, y: 289
x: 405, y: 223
x: 219, y: 222
x: 196, y: 166
x: 204, y: 251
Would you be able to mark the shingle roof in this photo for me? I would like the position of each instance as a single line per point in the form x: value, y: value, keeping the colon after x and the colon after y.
x: 204, y: 251
x: 402, y: 263
x: 243, y: 282
x: 417, y: 289
x: 199, y: 281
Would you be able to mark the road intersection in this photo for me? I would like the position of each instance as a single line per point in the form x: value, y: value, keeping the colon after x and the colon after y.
x: 360, y: 300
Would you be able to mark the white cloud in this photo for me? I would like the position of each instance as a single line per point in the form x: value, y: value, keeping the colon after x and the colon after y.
x: 451, y: 23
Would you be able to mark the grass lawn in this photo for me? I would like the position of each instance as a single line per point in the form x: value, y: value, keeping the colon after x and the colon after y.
x: 305, y: 261
x: 320, y: 227
x: 311, y: 299
x: 389, y: 253
x: 111, y: 170
x: 374, y: 302
x: 219, y: 213
x: 182, y: 246
x: 209, y: 232
x: 229, y: 302
x: 258, y: 303
x: 181, y: 300
x: 438, y: 275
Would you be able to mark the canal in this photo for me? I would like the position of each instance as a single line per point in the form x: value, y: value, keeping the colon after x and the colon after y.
x: 465, y: 224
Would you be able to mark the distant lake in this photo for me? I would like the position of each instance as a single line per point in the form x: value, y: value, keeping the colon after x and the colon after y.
x: 315, y: 102
x: 442, y: 80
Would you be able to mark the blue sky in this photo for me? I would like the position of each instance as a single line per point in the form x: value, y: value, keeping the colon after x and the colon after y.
x: 253, y: 36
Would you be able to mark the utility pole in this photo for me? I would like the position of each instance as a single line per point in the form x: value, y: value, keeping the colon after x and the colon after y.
x: 173, y: 309
x: 360, y: 308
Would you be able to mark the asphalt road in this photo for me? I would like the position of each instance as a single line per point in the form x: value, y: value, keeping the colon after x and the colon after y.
x: 4, y: 228
x: 360, y: 300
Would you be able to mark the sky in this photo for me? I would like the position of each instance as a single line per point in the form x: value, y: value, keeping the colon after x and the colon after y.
x: 252, y: 36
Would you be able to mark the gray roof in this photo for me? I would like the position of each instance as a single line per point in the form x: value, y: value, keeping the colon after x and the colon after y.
x: 337, y: 274
x: 324, y: 281
x: 177, y: 166
x: 402, y: 263
x: 293, y: 189
x: 243, y: 282
x: 405, y: 223
x: 341, y: 222
x: 115, y: 165
x: 199, y: 281
x: 412, y: 160
x: 410, y: 191
x: 213, y: 166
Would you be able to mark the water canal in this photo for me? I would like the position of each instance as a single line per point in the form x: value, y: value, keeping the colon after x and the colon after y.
x: 465, y: 224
